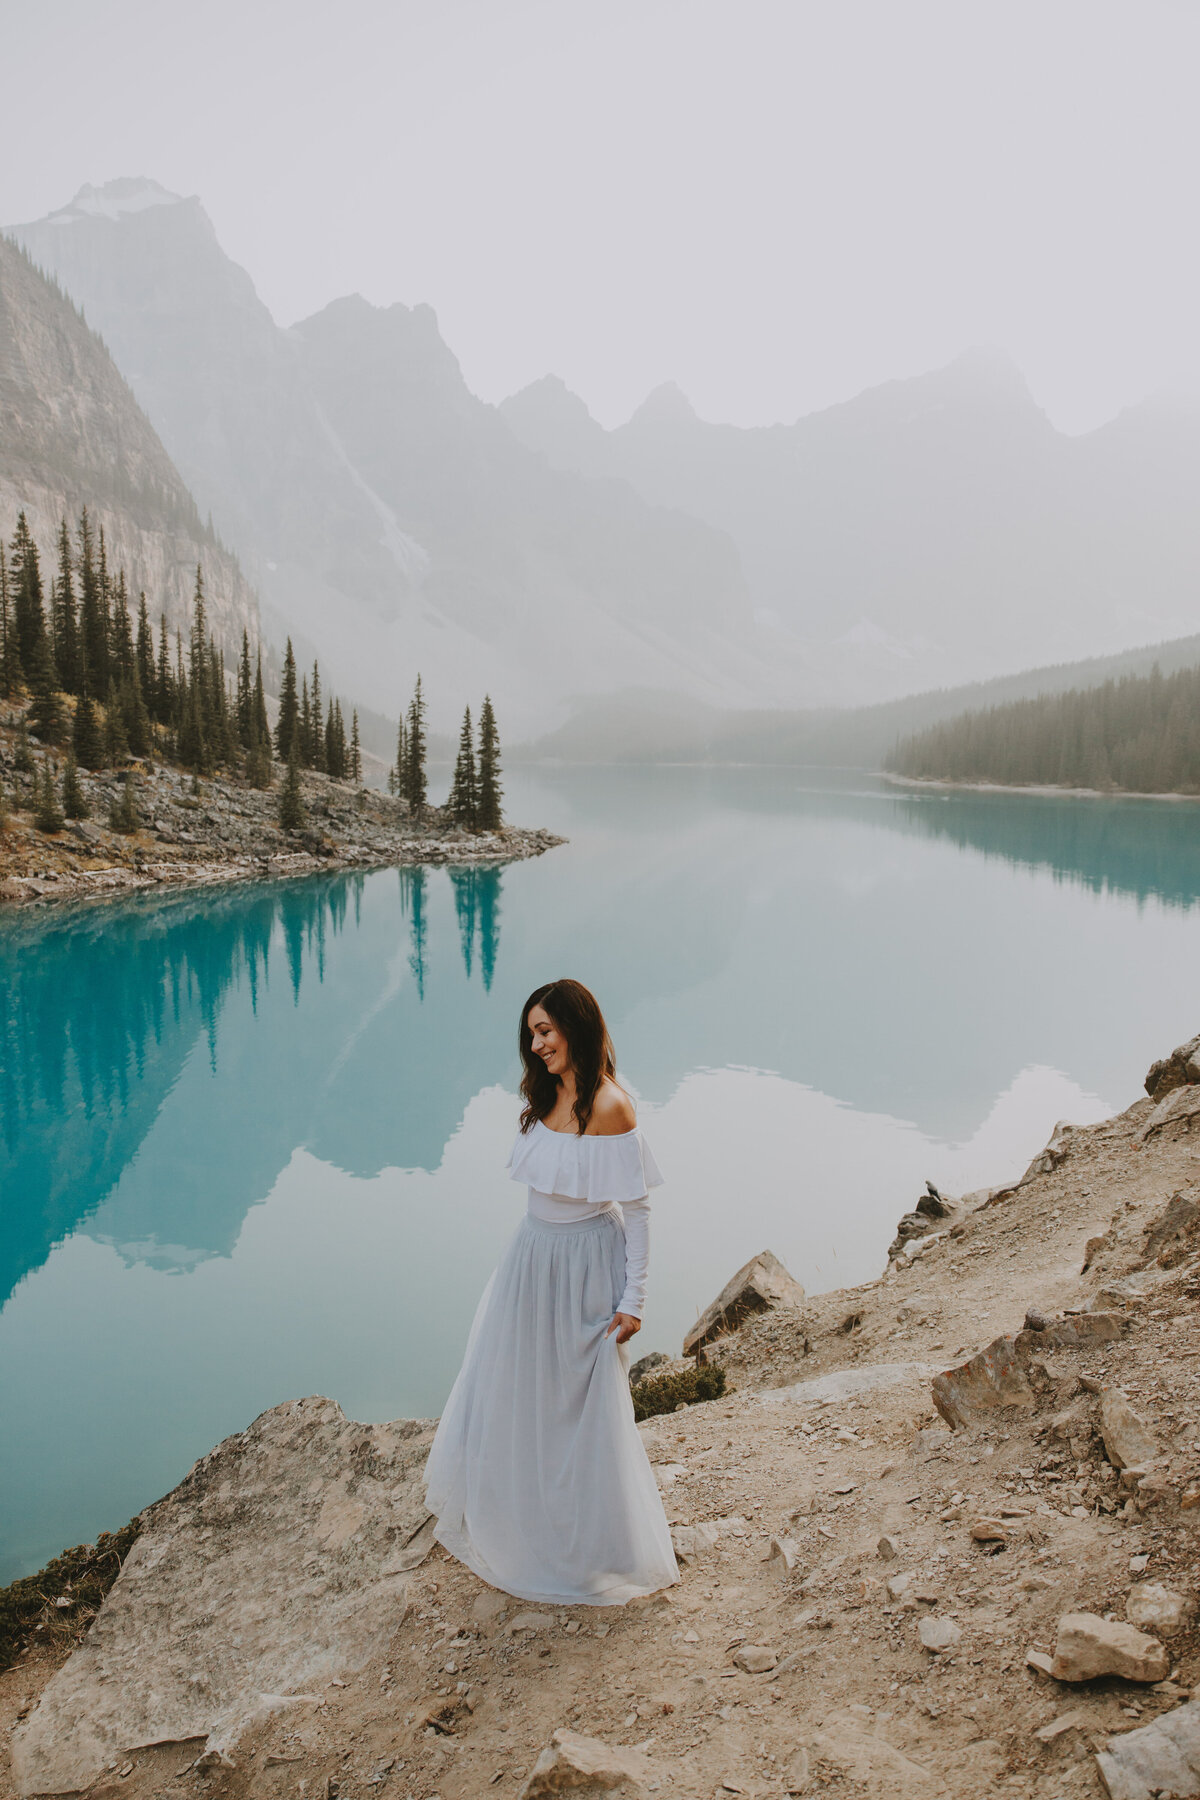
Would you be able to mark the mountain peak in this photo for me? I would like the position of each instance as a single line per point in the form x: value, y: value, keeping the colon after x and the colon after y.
x: 114, y: 200
x: 548, y: 398
x: 989, y: 366
x: 665, y: 404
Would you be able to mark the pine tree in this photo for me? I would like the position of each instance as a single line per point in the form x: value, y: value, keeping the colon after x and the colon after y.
x: 318, y: 724
x: 223, y: 743
x: 489, y: 815
x: 146, y: 674
x: 120, y: 649
x: 261, y: 726
x: 29, y: 614
x: 415, y: 789
x: 258, y: 763
x: 181, y: 682
x: 23, y: 756
x: 11, y: 676
x: 87, y: 739
x: 245, y: 695
x: 193, y: 741
x: 74, y: 802
x: 304, y: 730
x: 398, y: 775
x: 164, y: 681
x: 93, y: 612
x: 463, y: 803
x: 355, y: 751
x: 291, y: 794
x: 48, y: 719
x: 289, y: 708
x: 116, y: 738
x: 136, y: 716
x: 65, y: 619
x: 336, y: 757
x: 123, y: 813
x: 47, y: 813
x: 199, y: 672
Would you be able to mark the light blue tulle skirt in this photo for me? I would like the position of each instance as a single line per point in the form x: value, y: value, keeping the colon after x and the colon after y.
x: 537, y: 1475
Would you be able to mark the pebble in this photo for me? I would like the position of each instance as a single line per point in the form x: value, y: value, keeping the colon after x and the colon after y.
x: 755, y: 1659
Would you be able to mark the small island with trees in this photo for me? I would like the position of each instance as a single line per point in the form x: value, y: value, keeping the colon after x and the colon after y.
x: 128, y: 759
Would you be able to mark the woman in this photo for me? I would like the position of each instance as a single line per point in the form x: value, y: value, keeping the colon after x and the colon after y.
x: 537, y: 1474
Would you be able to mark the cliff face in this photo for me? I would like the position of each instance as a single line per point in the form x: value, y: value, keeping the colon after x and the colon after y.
x: 72, y: 435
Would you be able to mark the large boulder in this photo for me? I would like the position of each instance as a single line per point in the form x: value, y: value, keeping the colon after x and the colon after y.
x: 277, y: 1566
x: 1177, y: 1070
x: 757, y: 1287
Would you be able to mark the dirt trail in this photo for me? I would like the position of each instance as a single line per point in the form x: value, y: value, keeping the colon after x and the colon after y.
x: 473, y: 1685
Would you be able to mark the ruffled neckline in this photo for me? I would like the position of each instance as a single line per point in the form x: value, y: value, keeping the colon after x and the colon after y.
x: 599, y: 1169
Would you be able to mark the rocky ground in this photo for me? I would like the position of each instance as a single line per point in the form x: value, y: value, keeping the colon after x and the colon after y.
x: 221, y: 830
x: 871, y: 1603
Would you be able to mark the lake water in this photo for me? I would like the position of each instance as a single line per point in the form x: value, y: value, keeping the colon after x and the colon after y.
x: 254, y: 1139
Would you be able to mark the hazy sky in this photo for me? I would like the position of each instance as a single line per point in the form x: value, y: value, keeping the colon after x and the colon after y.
x: 773, y: 202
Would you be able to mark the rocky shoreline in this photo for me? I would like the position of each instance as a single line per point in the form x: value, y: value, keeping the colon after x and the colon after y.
x: 221, y: 830
x: 938, y: 1541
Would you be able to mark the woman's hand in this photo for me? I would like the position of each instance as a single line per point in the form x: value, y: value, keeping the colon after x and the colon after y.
x: 624, y: 1324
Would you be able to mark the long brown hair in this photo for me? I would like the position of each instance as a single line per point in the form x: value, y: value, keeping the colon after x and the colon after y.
x: 575, y: 1011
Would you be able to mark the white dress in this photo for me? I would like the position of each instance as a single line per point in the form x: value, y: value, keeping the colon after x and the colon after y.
x: 537, y: 1475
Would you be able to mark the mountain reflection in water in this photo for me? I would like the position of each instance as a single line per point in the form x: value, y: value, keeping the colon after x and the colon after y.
x: 252, y: 1139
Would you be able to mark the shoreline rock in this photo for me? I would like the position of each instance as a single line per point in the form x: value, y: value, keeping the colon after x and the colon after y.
x: 229, y: 833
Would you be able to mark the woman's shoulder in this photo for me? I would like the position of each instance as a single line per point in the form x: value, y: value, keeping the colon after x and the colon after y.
x: 613, y: 1112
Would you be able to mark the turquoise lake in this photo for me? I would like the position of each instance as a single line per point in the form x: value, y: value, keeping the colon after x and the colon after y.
x: 253, y: 1140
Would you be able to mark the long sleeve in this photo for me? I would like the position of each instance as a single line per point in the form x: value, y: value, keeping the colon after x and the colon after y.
x: 636, y: 1214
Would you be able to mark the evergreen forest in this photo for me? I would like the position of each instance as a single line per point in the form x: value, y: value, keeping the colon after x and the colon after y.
x: 106, y: 690
x: 1138, y: 735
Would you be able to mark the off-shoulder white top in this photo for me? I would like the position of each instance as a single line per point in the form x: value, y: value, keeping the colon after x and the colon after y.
x: 571, y: 1177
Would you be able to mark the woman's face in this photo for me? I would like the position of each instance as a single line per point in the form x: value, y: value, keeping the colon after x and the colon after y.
x: 548, y: 1041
